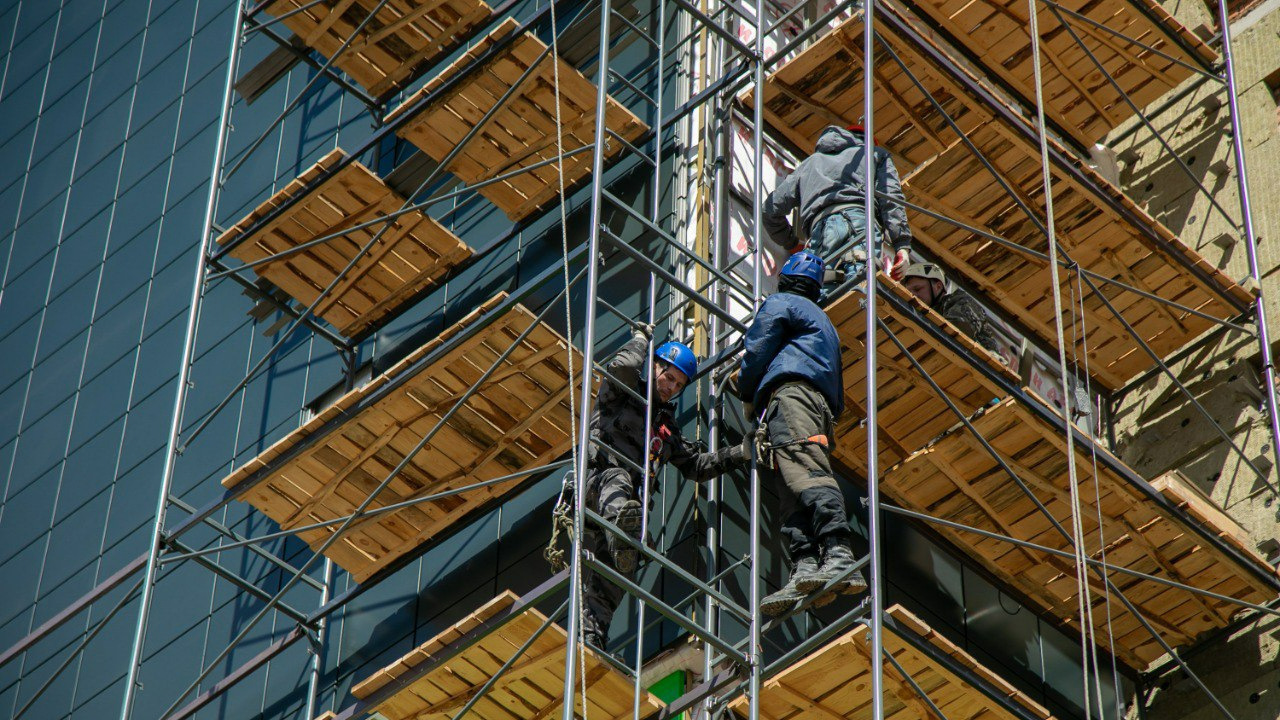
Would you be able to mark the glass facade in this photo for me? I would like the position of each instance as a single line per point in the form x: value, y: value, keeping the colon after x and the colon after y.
x: 108, y: 119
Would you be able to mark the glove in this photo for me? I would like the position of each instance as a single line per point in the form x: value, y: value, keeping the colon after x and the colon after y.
x: 644, y: 330
x: 901, y: 259
x: 732, y: 384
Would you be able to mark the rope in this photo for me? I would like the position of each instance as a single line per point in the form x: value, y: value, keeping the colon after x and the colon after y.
x: 1078, y: 332
x: 568, y: 321
x: 1083, y: 357
x: 1077, y: 529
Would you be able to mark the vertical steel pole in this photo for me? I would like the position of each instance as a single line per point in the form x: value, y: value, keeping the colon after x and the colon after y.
x: 322, y: 631
x: 588, y: 354
x: 646, y: 484
x: 184, y: 369
x: 1250, y: 238
x: 718, y: 121
x: 873, y: 435
x: 757, y: 156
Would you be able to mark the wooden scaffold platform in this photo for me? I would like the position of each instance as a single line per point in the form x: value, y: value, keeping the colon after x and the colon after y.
x: 910, y: 412
x: 834, y: 682
x: 533, y: 687
x: 523, y: 132
x: 518, y: 419
x: 1146, y: 62
x: 956, y: 479
x: 409, y: 256
x: 402, y: 38
x: 1096, y: 223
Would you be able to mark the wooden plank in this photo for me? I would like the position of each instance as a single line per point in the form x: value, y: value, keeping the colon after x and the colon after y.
x: 522, y: 133
x: 834, y: 681
x: 410, y: 256
x: 911, y: 413
x: 531, y: 688
x: 393, y: 45
x: 822, y: 85
x: 954, y: 479
x: 509, y: 424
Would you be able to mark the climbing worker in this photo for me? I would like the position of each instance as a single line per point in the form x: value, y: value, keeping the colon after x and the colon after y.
x: 791, y: 368
x: 613, y: 482
x: 928, y: 283
x: 828, y: 187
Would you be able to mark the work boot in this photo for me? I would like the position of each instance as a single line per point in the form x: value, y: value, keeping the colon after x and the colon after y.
x: 837, y: 559
x: 593, y: 639
x: 785, y: 598
x: 628, y: 521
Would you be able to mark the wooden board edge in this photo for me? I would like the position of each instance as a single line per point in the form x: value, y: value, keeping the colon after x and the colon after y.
x: 423, y: 652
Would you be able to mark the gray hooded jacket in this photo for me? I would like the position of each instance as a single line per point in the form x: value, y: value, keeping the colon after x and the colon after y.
x: 832, y: 176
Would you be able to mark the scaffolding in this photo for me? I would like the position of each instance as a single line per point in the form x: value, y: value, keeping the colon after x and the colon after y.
x: 531, y: 112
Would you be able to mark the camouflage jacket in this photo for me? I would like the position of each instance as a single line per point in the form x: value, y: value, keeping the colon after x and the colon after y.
x: 961, y: 310
x: 618, y: 421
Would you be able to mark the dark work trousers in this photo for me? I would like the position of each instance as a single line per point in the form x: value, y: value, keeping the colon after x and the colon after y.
x: 813, y: 507
x: 607, y: 489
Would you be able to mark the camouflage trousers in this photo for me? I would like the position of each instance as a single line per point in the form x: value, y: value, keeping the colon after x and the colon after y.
x: 607, y: 490
x: 800, y: 430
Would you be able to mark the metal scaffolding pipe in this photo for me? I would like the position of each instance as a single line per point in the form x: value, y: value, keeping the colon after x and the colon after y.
x: 184, y: 370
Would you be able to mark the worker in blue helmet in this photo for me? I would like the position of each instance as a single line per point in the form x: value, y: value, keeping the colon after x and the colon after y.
x: 791, y: 369
x: 614, y: 484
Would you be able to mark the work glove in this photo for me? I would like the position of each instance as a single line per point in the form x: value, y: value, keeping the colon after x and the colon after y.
x: 901, y: 259
x: 643, y: 330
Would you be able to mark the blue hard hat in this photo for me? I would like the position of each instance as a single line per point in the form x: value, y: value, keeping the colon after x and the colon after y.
x: 806, y: 265
x: 679, y: 355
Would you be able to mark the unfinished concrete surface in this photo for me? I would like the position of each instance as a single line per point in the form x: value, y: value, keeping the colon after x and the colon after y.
x: 1156, y: 427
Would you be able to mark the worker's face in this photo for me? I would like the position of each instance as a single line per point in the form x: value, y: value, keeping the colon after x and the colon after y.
x: 923, y: 288
x: 668, y: 381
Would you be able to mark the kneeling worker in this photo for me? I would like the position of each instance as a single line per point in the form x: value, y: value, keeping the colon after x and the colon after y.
x: 928, y: 283
x: 791, y: 367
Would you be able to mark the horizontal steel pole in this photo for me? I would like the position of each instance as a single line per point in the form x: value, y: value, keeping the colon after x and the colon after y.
x: 676, y: 245
x: 673, y: 615
x: 240, y: 673
x: 666, y: 564
x: 1105, y: 458
x: 671, y: 279
x: 237, y: 540
x: 245, y: 586
x: 75, y: 608
x: 905, y: 512
x: 241, y: 542
x: 365, y: 706
x: 395, y: 383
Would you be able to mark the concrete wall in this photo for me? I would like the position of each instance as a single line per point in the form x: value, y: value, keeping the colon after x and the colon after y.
x: 1157, y: 428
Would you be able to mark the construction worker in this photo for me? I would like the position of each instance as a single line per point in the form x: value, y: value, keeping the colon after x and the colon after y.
x: 828, y: 187
x: 928, y: 283
x: 791, y: 368
x: 618, y: 447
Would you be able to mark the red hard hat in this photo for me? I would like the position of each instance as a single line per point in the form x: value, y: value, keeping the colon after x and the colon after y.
x: 856, y: 127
